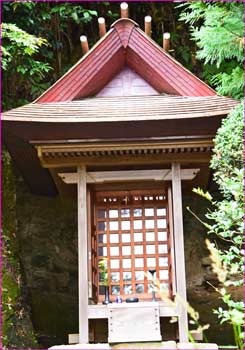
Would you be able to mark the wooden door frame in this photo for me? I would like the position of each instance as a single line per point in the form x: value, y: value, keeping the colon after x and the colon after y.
x: 140, y: 203
x: 80, y: 178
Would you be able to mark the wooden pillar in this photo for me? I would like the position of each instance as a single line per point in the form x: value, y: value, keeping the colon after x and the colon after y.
x: 102, y: 27
x: 171, y: 234
x: 84, y: 44
x: 166, y: 41
x: 124, y: 10
x: 82, y: 256
x: 148, y: 25
x: 179, y: 252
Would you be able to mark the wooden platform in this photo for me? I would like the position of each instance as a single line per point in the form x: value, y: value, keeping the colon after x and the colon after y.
x: 101, y: 311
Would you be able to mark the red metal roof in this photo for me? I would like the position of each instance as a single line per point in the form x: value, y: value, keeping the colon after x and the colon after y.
x: 125, y: 44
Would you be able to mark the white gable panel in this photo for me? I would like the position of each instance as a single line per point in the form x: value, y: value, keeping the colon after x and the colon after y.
x: 127, y: 83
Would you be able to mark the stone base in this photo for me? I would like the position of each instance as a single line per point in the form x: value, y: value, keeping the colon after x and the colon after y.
x: 101, y: 346
x: 167, y: 345
x: 197, y: 346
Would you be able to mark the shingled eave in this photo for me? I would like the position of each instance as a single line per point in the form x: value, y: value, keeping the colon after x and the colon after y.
x: 122, y: 109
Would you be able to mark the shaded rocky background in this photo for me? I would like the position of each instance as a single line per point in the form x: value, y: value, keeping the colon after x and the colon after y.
x: 47, y: 248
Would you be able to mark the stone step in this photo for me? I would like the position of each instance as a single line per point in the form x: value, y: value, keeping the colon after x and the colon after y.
x: 167, y: 345
x: 146, y: 345
x: 197, y: 346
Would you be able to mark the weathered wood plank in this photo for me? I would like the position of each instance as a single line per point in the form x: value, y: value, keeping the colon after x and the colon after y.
x: 128, y: 175
x: 198, y: 157
x: 130, y: 108
x: 179, y: 251
x: 89, y: 235
x: 171, y: 233
x: 82, y: 255
x: 123, y: 145
x: 127, y: 83
x: 100, y: 311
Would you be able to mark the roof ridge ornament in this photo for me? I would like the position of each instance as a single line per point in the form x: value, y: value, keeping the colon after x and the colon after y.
x: 124, y: 28
x: 124, y: 20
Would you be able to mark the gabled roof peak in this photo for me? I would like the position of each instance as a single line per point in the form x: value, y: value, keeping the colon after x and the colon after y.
x: 124, y: 28
x: 125, y: 44
x: 126, y: 21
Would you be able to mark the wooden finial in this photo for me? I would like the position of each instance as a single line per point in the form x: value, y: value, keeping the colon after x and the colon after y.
x: 148, y: 25
x: 166, y: 41
x: 124, y: 10
x: 84, y: 43
x: 102, y: 28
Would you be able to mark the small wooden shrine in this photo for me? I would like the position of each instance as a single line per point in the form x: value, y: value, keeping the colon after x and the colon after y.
x: 132, y: 128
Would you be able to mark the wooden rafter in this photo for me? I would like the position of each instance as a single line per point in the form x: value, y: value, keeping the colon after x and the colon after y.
x: 66, y: 155
x: 154, y: 159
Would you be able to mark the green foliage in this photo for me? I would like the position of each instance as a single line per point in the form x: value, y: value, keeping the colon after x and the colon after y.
x: 75, y: 12
x: 218, y: 33
x: 225, y: 220
x: 18, y: 42
x: 28, y: 58
x: 10, y: 294
x: 103, y: 268
x: 18, y: 63
x: 218, y: 30
x: 228, y: 150
x: 227, y: 164
x: 62, y: 23
x: 230, y: 83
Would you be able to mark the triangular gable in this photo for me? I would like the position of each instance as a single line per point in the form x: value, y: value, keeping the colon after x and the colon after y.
x: 127, y: 83
x: 125, y: 44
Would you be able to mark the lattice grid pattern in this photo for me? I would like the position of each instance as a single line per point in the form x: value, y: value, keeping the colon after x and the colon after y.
x: 132, y: 232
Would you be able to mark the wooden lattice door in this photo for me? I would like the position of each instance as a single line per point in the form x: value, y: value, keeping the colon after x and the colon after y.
x: 132, y: 232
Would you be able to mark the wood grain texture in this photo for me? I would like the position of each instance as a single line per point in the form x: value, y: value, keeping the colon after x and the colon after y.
x: 129, y: 175
x: 171, y: 239
x: 179, y: 251
x: 101, y: 311
x: 203, y: 144
x: 137, y: 202
x: 82, y: 255
x: 124, y: 108
x: 127, y: 83
x: 125, y: 325
x: 49, y: 119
